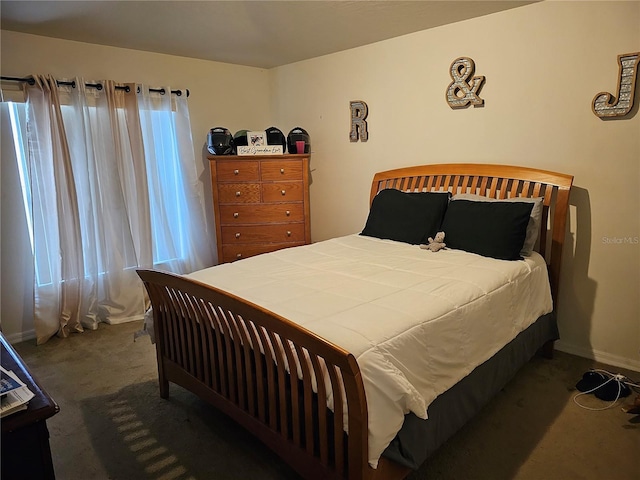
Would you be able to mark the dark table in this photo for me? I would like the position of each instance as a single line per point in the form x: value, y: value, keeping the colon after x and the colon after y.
x: 25, y: 439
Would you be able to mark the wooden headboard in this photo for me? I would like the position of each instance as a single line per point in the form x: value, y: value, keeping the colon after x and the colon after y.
x: 496, y: 181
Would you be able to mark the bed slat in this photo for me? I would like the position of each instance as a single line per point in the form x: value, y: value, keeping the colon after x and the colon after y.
x: 322, y: 413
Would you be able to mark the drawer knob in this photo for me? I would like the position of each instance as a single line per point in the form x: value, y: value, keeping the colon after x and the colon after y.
x: 282, y: 170
x: 288, y: 213
x: 237, y: 235
x: 236, y: 214
x: 236, y: 172
x: 283, y: 192
x: 288, y: 233
x: 238, y: 194
x: 238, y: 255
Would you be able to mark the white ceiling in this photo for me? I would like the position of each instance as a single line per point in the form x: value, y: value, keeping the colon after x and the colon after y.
x: 262, y: 33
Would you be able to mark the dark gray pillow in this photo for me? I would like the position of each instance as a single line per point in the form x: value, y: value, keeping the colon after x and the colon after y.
x: 409, y: 217
x: 535, y: 219
x: 491, y: 229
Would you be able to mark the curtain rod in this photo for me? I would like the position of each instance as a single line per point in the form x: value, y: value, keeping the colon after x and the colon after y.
x: 97, y: 86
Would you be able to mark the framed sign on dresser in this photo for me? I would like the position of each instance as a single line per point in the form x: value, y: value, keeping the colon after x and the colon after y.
x: 261, y: 203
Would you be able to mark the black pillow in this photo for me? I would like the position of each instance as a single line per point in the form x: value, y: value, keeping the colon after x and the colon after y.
x: 409, y: 217
x: 492, y: 229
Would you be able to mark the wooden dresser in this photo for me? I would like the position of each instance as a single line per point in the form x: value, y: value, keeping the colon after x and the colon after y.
x: 261, y: 203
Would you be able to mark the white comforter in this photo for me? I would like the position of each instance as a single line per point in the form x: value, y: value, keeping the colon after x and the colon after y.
x: 417, y: 321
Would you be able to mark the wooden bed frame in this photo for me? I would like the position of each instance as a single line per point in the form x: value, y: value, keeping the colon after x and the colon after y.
x: 206, y: 339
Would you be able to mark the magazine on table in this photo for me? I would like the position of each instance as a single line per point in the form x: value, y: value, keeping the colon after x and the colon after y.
x: 14, y: 394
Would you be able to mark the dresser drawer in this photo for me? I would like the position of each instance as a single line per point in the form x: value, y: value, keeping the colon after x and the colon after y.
x: 237, y: 171
x: 231, y: 253
x: 274, y: 233
x: 275, y: 213
x: 239, y: 192
x: 278, y: 170
x: 282, y: 192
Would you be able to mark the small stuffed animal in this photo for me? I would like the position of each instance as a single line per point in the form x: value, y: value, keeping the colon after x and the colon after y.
x: 435, y: 244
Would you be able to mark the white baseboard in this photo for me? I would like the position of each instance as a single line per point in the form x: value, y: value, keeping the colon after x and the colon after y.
x: 21, y: 336
x: 598, y: 356
x: 31, y: 334
x: 136, y: 318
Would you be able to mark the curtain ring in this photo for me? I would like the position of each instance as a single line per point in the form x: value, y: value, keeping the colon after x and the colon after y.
x: 178, y: 92
x: 98, y: 86
x: 162, y: 91
x: 127, y: 88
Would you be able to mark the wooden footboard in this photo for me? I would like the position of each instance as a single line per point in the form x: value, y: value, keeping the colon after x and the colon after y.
x: 237, y: 356
x: 272, y: 376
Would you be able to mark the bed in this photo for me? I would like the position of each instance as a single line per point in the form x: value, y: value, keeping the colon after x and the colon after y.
x: 253, y: 339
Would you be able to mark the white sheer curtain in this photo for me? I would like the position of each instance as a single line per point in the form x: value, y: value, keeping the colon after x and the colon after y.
x: 114, y: 188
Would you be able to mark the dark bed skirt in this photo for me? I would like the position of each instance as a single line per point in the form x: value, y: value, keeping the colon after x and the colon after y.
x: 418, y: 439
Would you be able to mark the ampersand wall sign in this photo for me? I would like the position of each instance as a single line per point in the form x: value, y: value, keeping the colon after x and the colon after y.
x: 606, y: 105
x: 462, y: 93
x: 359, y: 112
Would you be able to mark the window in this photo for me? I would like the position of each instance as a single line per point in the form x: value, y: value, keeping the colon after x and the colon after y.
x: 166, y: 198
x: 165, y: 191
x: 35, y: 223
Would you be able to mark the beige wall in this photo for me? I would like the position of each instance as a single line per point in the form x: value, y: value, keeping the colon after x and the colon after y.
x: 543, y: 63
x: 220, y: 95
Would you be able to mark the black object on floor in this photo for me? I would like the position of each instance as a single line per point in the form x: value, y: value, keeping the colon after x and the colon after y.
x: 603, y: 385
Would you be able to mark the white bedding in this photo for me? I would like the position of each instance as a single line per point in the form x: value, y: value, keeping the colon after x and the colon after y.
x: 417, y: 321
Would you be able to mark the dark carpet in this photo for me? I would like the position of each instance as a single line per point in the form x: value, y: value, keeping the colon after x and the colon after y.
x: 114, y: 425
